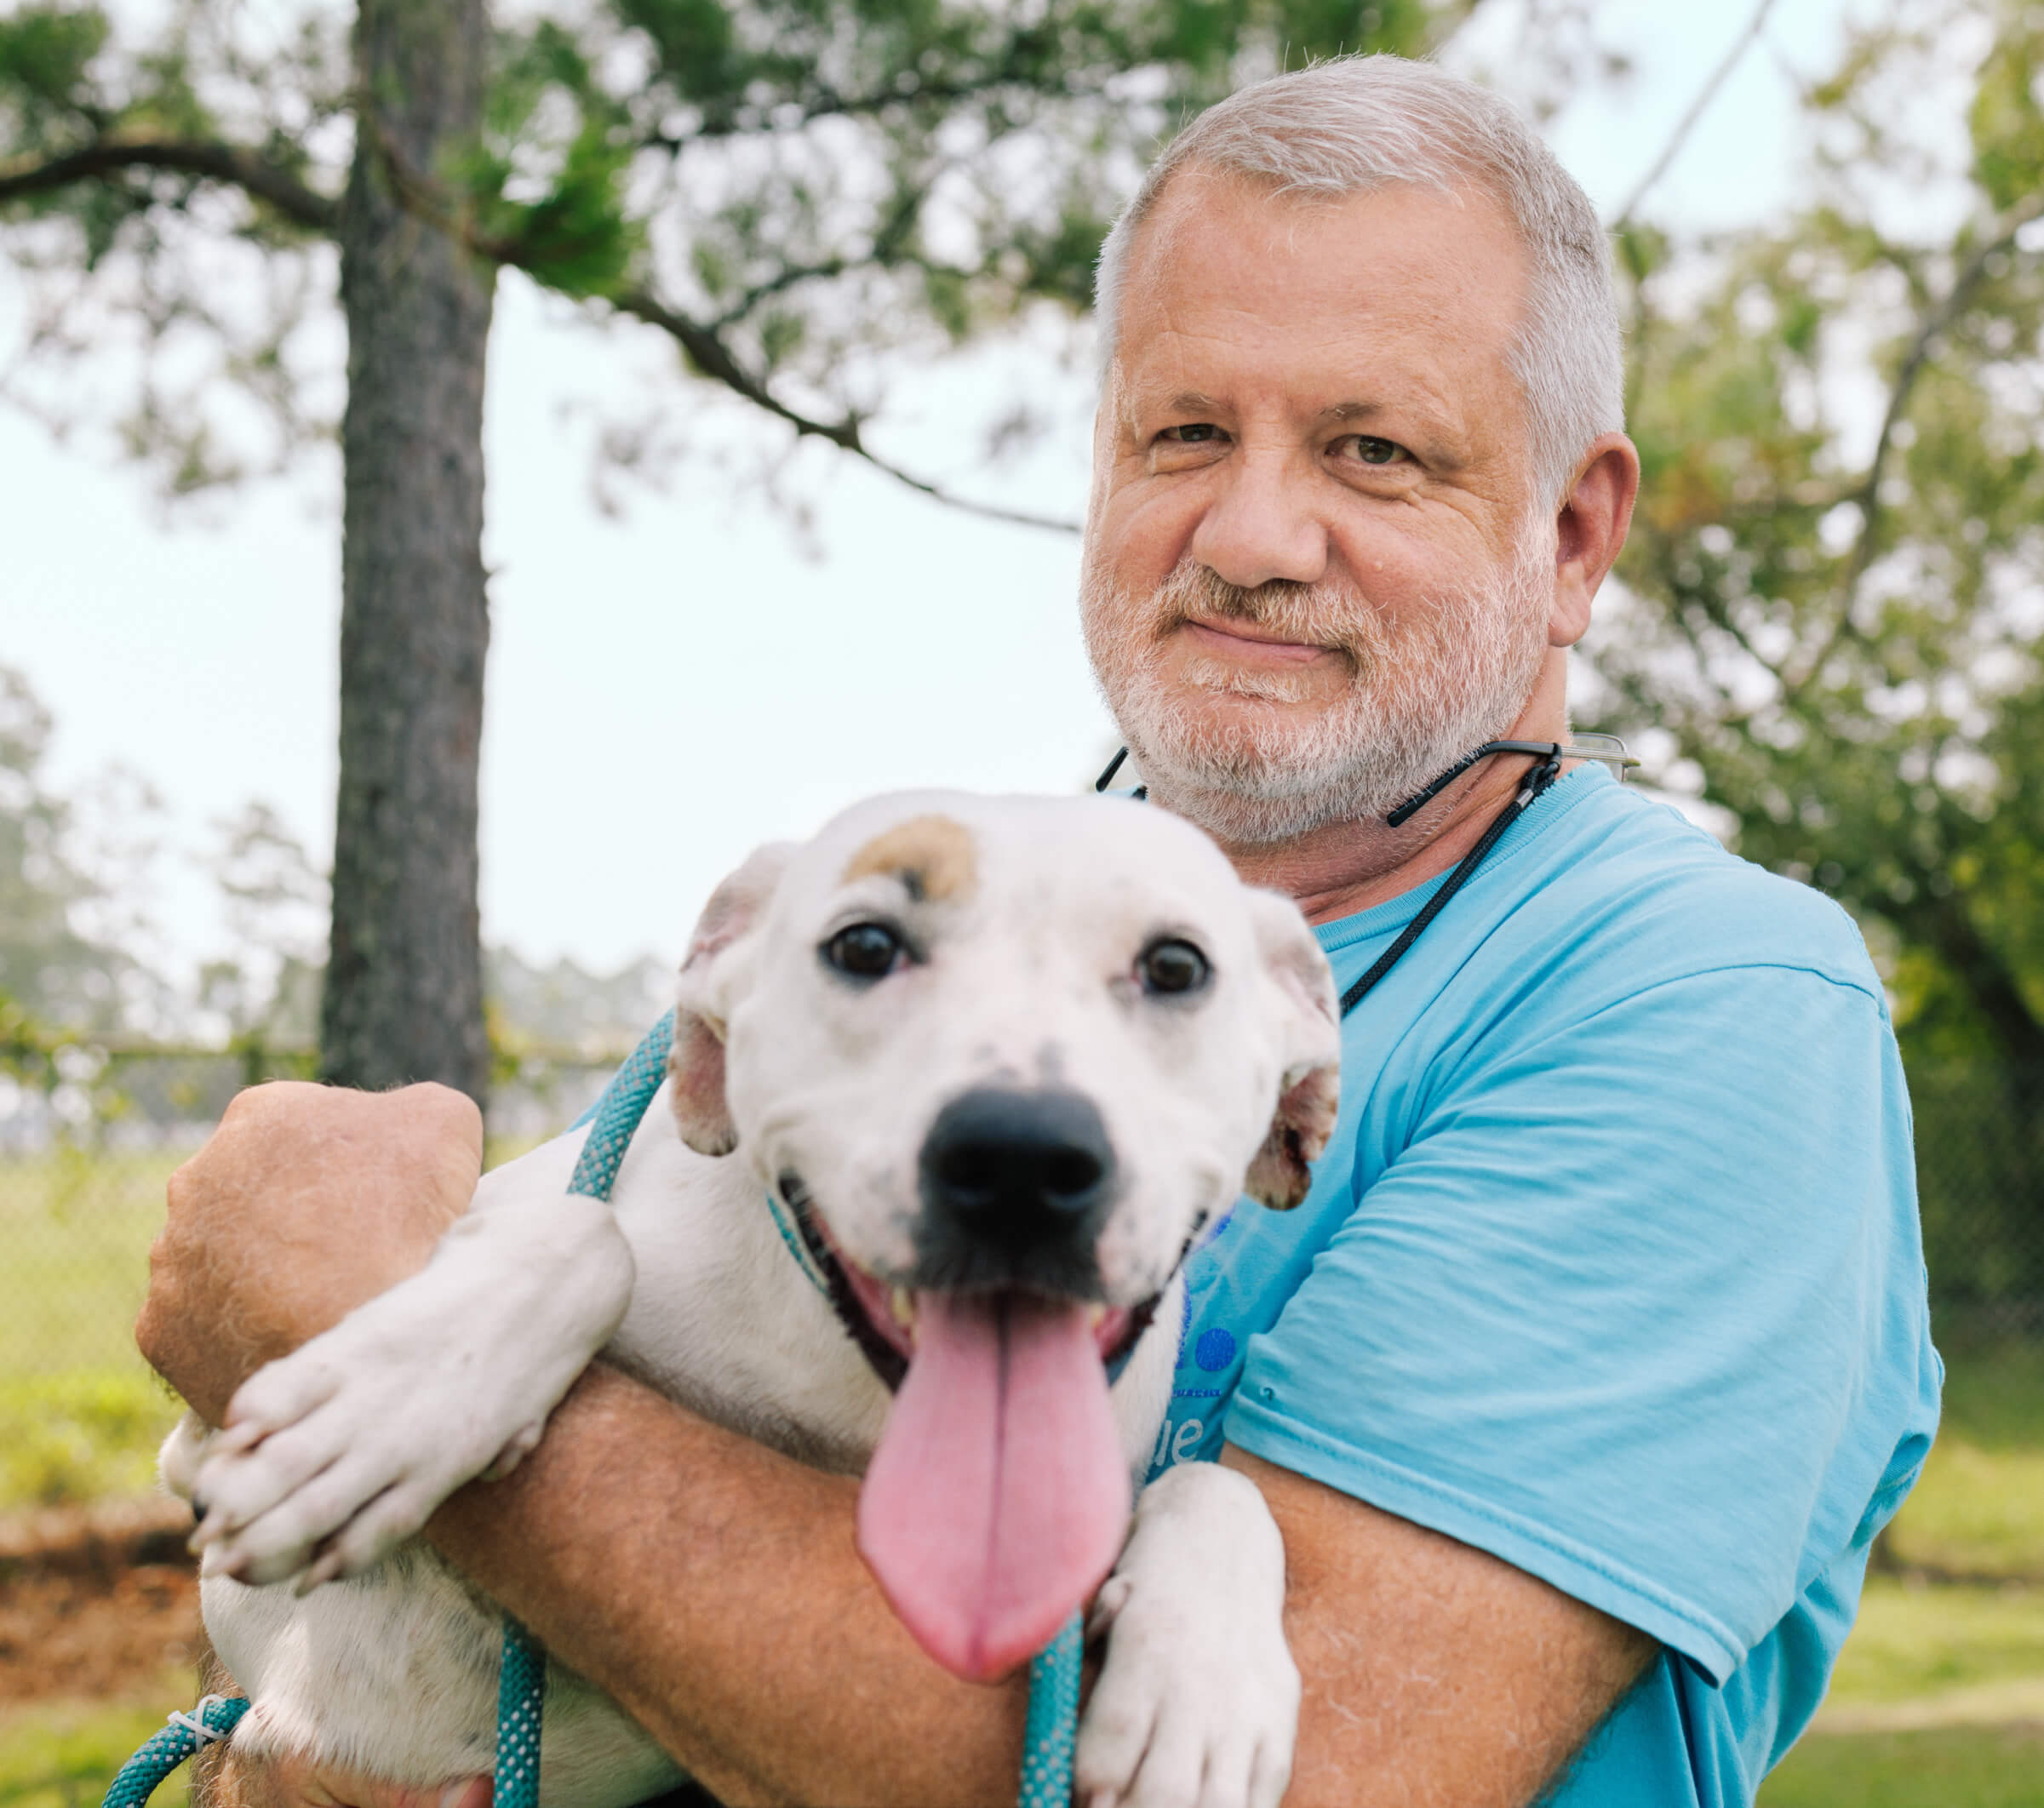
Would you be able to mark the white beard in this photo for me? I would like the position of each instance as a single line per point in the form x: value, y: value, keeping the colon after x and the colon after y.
x: 1454, y: 673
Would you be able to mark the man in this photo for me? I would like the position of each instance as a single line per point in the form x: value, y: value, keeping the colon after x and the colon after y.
x: 1583, y: 1379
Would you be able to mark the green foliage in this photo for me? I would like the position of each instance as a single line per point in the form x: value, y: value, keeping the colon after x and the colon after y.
x: 2006, y: 122
x: 45, y: 53
x: 545, y: 186
x: 1830, y: 631
x: 790, y: 185
x: 178, y: 285
x: 842, y: 176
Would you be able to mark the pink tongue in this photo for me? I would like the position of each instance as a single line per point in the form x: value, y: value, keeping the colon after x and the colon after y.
x: 998, y: 1497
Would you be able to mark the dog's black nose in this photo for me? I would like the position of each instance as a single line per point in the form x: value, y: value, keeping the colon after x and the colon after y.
x: 1019, y: 1170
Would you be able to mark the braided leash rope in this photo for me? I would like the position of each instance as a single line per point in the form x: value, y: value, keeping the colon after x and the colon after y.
x: 521, y: 1701
x: 1053, y: 1728
x: 1051, y: 1735
x: 213, y: 1719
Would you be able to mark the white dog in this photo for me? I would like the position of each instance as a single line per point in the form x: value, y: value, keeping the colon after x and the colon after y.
x: 1000, y: 1060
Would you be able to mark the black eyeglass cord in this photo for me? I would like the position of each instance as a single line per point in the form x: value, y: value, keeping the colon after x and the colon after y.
x: 1550, y: 754
x: 1537, y: 782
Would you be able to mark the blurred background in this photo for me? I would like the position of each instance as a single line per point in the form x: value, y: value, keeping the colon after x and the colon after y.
x: 739, y: 353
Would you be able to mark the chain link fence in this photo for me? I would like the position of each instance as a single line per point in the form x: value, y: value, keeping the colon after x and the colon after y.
x: 89, y: 1133
x: 1980, y: 1178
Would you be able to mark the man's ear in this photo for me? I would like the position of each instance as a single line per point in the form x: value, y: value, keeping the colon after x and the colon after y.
x: 1300, y: 993
x: 724, y: 934
x: 1589, y: 532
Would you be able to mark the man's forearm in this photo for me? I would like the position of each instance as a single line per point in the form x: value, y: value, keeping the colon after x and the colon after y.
x: 1436, y: 1676
x: 712, y: 1586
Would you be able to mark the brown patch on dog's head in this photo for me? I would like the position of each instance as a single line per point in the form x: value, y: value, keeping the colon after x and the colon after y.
x: 933, y: 857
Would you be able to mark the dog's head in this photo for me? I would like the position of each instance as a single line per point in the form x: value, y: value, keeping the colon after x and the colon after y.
x: 1005, y: 1057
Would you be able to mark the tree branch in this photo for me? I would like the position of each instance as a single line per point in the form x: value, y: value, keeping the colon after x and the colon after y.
x: 1698, y: 108
x: 703, y: 345
x: 713, y: 359
x: 824, y: 102
x: 272, y: 184
x: 1867, y: 496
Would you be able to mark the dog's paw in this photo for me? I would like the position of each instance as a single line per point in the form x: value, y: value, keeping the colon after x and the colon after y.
x: 1198, y: 1701
x: 337, y: 1453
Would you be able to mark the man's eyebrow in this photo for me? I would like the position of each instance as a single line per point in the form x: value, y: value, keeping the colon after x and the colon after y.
x: 1437, y: 434
x: 1186, y: 402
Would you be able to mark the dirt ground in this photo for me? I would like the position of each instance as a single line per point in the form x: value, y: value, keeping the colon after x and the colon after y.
x: 95, y: 1603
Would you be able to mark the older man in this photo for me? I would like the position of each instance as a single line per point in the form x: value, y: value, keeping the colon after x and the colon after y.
x: 1585, y: 1378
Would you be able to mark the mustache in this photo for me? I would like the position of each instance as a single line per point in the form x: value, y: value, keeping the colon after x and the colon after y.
x: 1325, y: 613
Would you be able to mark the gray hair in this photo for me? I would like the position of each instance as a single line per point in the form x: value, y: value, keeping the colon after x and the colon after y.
x: 1364, y: 122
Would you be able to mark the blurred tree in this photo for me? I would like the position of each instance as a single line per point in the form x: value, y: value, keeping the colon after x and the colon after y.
x: 784, y: 188
x: 1834, y: 586
x: 50, y: 974
x: 264, y: 988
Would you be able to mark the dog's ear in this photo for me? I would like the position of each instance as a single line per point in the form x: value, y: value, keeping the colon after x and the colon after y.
x: 716, y: 956
x: 1301, y: 992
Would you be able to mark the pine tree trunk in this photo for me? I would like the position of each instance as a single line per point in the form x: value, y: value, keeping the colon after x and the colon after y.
x: 404, y: 998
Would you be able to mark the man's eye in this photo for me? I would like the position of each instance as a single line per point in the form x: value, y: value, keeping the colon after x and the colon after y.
x: 866, y: 951
x: 1171, y: 966
x: 1371, y: 450
x: 1192, y: 433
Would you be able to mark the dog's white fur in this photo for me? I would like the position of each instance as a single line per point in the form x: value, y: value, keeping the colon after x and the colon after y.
x: 1028, y: 919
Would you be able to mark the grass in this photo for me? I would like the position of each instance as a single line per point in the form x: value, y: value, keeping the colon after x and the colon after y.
x: 89, y: 1434
x: 77, y: 1228
x: 63, y: 1755
x: 1934, y: 1650
x: 80, y: 1414
x: 1950, y: 1767
x: 1979, y: 1508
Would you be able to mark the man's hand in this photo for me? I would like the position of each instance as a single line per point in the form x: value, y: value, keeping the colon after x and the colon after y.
x: 307, y: 1201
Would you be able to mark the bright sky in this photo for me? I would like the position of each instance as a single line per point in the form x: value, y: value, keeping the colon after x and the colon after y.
x: 667, y: 690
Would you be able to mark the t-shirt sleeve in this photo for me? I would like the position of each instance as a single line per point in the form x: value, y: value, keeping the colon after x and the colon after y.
x: 1622, y: 1311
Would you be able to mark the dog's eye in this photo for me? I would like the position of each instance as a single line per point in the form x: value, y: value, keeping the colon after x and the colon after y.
x: 868, y: 950
x: 1172, y: 966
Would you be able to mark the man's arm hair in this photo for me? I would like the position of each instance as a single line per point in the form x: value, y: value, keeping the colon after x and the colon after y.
x: 1435, y: 1673
x: 712, y: 1587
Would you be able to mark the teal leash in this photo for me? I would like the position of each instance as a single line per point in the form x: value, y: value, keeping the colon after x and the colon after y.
x: 1050, y: 1734
x: 521, y: 1701
x: 522, y: 1680
x: 1052, y: 1729
x: 212, y: 1720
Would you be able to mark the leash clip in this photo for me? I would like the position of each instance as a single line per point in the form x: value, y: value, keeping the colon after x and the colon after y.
x: 195, y: 1722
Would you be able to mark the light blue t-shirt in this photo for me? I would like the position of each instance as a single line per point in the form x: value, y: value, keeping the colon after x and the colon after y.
x: 1613, y: 1269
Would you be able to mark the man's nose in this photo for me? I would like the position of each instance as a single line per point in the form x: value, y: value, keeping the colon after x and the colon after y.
x: 1264, y: 524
